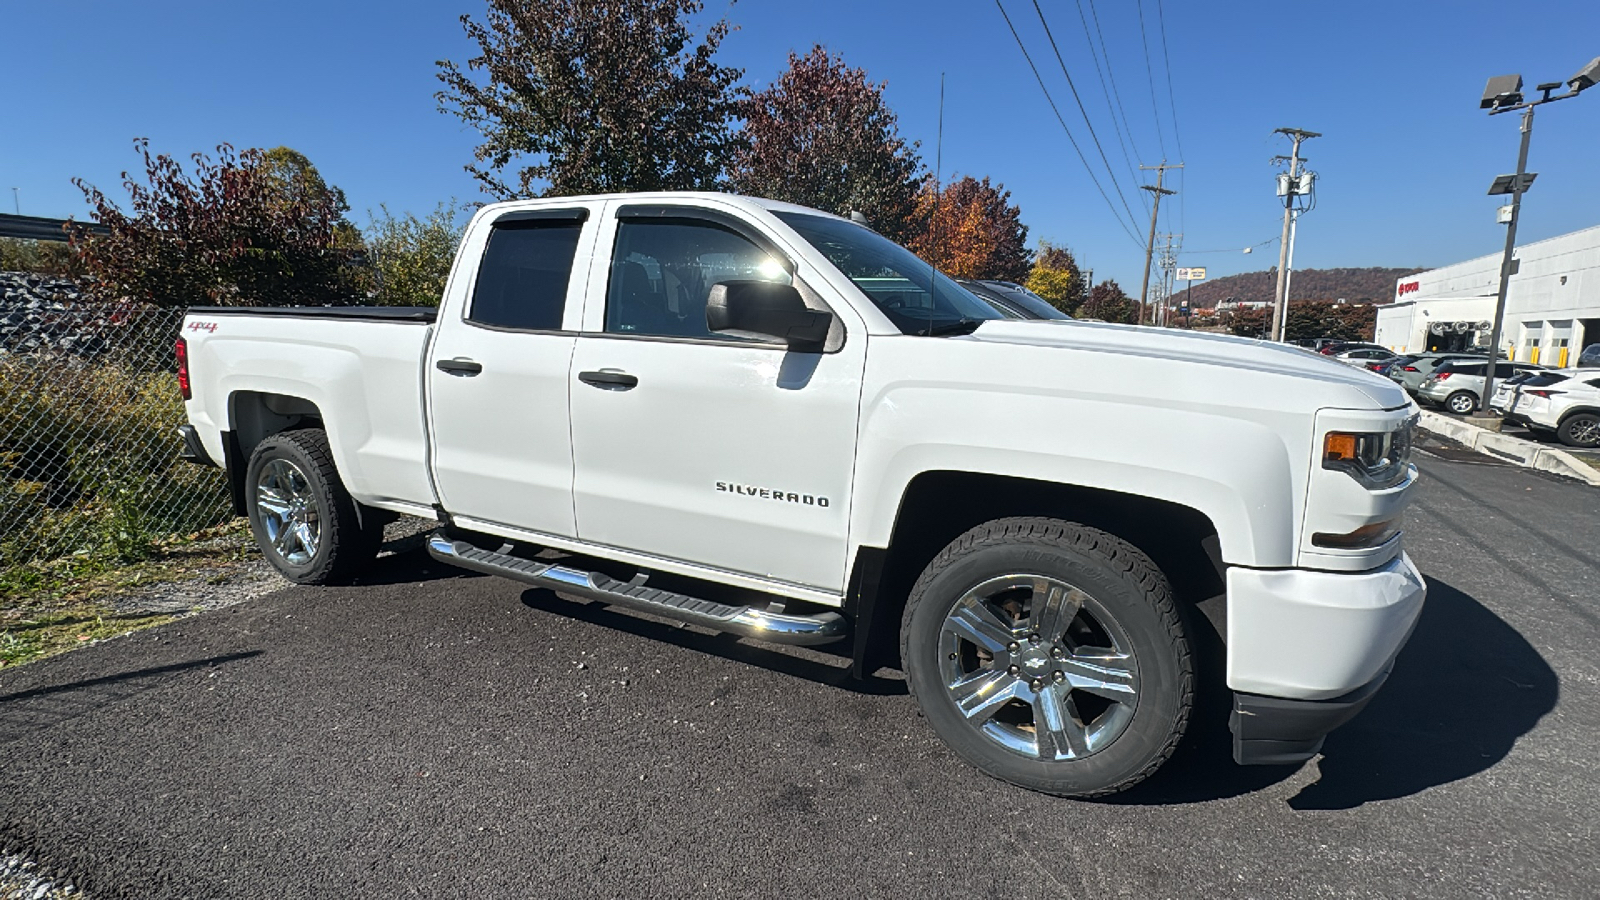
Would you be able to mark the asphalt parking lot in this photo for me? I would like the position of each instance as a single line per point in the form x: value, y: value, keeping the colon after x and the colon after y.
x: 434, y: 733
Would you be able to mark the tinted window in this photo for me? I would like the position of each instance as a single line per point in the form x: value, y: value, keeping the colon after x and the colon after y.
x: 522, y: 282
x: 904, y: 287
x: 1543, y: 379
x: 662, y: 270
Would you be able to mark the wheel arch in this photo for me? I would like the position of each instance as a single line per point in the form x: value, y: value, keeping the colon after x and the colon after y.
x: 938, y: 506
x: 254, y: 416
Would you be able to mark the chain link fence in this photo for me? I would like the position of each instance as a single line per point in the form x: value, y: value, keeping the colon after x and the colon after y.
x: 89, y: 410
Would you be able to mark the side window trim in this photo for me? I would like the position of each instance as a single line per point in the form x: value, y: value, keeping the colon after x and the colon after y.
x: 738, y: 226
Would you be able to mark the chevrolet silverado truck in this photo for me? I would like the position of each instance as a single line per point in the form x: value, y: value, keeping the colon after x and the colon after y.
x: 769, y: 421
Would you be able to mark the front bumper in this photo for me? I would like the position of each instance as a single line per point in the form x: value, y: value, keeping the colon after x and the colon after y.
x: 1307, y: 650
x: 1272, y: 731
x: 1310, y: 635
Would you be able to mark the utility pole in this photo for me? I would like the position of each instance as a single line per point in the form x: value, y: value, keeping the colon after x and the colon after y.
x: 1169, y: 262
x: 1280, y: 299
x: 1150, y: 244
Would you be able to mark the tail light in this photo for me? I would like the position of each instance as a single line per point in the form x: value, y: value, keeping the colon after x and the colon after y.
x: 1442, y: 376
x: 181, y: 349
x: 1409, y: 369
x: 1545, y: 394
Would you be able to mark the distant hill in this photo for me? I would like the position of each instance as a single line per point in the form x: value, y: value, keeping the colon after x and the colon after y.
x: 1371, y: 284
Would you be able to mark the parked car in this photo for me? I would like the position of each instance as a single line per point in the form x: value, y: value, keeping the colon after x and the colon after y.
x: 1012, y: 300
x: 773, y: 422
x: 1363, y: 356
x: 1505, y: 389
x: 1337, y: 347
x: 1590, y: 357
x: 1410, y: 375
x: 1565, y: 401
x: 1456, y: 384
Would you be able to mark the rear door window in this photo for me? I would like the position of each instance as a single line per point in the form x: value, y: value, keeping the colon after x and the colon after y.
x: 522, y: 281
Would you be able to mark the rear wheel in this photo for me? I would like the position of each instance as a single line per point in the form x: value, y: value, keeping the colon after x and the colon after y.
x: 1580, y: 430
x: 1049, y: 655
x: 300, y: 513
x: 1461, y: 402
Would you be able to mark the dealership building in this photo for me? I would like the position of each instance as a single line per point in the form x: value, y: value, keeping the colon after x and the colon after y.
x: 1552, y: 304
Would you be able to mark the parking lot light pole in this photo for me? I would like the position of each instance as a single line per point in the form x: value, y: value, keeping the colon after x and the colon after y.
x: 1504, y: 94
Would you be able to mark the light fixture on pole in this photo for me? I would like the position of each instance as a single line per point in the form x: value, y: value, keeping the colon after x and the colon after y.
x: 1503, y: 94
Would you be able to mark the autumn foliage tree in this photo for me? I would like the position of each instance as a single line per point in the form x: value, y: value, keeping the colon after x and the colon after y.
x: 1056, y: 277
x: 589, y: 96
x: 411, y: 255
x: 230, y: 234
x: 1108, y: 302
x: 822, y: 136
x: 971, y: 230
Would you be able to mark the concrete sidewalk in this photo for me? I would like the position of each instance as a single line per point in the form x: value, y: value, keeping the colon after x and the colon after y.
x: 1516, y: 450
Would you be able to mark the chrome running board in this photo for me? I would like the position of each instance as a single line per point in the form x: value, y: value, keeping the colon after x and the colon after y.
x: 748, y: 621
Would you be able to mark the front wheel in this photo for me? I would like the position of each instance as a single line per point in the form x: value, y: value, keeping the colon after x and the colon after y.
x: 304, y: 520
x: 1580, y: 430
x: 1461, y: 402
x: 1049, y: 655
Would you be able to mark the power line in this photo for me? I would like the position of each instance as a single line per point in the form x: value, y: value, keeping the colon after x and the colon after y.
x: 1048, y: 99
x: 1111, y: 74
x: 1172, y: 99
x: 1083, y: 112
x: 1144, y: 42
x: 1115, y: 122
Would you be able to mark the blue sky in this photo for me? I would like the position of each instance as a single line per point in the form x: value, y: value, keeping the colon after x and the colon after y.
x: 1404, y: 163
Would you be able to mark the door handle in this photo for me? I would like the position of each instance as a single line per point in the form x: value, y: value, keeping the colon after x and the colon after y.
x: 609, y: 379
x: 465, y: 367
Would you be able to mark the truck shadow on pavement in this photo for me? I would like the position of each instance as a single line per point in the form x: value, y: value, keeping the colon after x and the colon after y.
x: 1464, y: 689
x: 50, y: 705
x: 824, y: 665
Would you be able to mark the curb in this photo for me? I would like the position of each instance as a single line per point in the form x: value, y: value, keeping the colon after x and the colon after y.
x: 1511, y: 449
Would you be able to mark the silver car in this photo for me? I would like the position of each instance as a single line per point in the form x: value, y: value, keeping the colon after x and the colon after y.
x: 1457, y: 384
x: 1411, y: 374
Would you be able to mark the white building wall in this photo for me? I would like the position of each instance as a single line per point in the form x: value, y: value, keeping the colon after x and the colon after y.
x: 1552, y: 302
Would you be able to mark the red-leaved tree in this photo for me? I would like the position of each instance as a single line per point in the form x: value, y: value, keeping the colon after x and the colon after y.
x: 971, y: 230
x: 822, y: 136
x: 246, y: 229
x: 1108, y: 302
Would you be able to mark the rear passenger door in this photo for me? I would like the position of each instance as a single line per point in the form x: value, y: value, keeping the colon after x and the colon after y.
x: 498, y: 371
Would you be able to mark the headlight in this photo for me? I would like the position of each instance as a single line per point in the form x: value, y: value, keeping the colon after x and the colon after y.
x: 1376, y: 459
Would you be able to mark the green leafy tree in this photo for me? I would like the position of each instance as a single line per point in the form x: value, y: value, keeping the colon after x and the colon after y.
x: 411, y: 256
x: 230, y: 234
x: 822, y: 136
x: 1108, y: 302
x: 1056, y: 277
x: 589, y: 96
x: 972, y: 230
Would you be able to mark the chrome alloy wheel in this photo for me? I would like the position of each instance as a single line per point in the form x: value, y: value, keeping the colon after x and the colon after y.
x: 286, y: 505
x: 1039, y: 667
x: 1586, y: 433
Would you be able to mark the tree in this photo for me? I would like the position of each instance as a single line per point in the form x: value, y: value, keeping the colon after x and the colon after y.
x: 411, y: 256
x: 1056, y: 277
x: 229, y: 235
x: 822, y: 136
x: 589, y: 96
x: 1308, y: 319
x: 971, y: 230
x: 1108, y: 302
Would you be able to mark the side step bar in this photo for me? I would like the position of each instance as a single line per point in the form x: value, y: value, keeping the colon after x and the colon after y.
x: 749, y: 621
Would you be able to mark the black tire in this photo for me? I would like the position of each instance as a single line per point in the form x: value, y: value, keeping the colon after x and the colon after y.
x: 1580, y: 429
x: 1461, y: 402
x: 343, y: 547
x: 1120, y: 585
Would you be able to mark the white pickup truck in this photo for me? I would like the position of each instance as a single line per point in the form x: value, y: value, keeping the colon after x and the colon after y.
x: 766, y: 420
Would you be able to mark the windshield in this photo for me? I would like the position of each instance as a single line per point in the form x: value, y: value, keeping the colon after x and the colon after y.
x: 891, y: 276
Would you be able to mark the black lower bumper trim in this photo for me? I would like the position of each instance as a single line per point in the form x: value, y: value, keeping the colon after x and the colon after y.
x: 193, y: 450
x: 1273, y: 731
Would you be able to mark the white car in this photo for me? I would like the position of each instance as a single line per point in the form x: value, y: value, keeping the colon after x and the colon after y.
x: 776, y: 423
x: 1361, y: 356
x: 1565, y: 401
